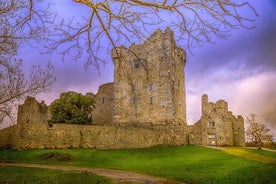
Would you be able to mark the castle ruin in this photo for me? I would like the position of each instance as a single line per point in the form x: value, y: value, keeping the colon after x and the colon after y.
x: 217, y: 126
x: 144, y: 106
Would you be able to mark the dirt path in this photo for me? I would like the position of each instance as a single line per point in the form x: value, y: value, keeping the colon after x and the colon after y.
x: 119, y: 177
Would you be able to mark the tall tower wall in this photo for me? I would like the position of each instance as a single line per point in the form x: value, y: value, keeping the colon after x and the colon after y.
x: 149, y: 84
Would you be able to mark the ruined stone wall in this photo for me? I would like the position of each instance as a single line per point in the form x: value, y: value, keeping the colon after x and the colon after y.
x: 33, y: 111
x: 238, y: 132
x: 103, y: 113
x: 195, y: 133
x: 217, y: 125
x: 6, y: 138
x: 33, y: 132
x: 149, y: 82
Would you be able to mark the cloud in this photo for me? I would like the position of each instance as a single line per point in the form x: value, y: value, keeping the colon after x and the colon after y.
x: 240, y: 70
x: 252, y: 94
x: 256, y: 94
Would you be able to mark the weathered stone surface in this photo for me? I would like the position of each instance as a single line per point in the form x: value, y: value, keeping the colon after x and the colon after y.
x: 40, y: 136
x: 6, y: 138
x: 103, y: 113
x: 149, y: 84
x: 33, y: 111
x: 217, y: 126
x: 144, y: 106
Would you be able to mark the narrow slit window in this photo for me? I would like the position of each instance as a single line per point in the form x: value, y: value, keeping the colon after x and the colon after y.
x: 151, y: 100
x: 162, y: 103
x: 133, y: 87
x: 151, y: 87
x: 134, y: 101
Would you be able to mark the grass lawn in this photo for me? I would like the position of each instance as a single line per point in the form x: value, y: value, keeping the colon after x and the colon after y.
x: 253, y: 154
x: 41, y: 176
x: 190, y: 164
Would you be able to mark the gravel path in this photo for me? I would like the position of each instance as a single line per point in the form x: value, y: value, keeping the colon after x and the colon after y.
x: 119, y: 177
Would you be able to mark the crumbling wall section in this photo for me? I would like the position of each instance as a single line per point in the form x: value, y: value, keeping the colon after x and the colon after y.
x: 217, y: 126
x: 6, y: 137
x: 104, y: 101
x: 238, y: 131
x: 33, y: 111
x: 33, y: 132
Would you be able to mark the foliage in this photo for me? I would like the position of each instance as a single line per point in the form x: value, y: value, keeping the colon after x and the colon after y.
x: 45, y: 176
x: 257, y: 132
x: 73, y: 108
x: 189, y: 164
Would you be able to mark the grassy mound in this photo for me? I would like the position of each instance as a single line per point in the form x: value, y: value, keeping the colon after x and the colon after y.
x: 64, y: 157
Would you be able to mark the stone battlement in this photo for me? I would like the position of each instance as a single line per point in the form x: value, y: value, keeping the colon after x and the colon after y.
x: 217, y: 125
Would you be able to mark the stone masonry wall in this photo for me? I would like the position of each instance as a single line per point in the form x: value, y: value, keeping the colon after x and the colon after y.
x: 217, y: 125
x: 40, y: 136
x: 238, y: 132
x: 6, y: 138
x: 103, y: 113
x: 144, y: 106
x: 149, y: 84
x: 28, y: 134
x: 33, y: 111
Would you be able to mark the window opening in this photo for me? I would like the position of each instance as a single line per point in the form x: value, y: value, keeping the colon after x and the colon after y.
x: 136, y: 63
x: 151, y: 86
x: 134, y: 101
x: 163, y: 103
x: 178, y: 84
x: 133, y: 87
x: 211, y: 136
x: 212, y: 124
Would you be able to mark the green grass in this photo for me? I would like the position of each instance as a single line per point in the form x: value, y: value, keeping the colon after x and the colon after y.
x: 191, y: 164
x: 40, y: 176
x: 261, y: 152
x: 253, y: 154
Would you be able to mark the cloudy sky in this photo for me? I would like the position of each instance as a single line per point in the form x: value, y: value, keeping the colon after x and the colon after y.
x: 240, y: 70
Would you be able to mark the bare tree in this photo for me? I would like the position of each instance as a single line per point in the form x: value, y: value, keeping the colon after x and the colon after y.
x: 111, y: 23
x: 257, y: 132
x: 20, y: 23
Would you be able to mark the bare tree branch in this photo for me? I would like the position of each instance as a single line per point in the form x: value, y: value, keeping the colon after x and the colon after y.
x: 22, y: 21
x: 257, y: 132
x: 112, y: 23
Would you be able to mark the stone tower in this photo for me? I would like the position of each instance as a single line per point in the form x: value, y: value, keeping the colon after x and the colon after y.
x: 217, y: 125
x: 149, y: 84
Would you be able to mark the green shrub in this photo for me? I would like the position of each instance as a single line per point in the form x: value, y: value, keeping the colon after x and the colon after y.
x: 72, y: 108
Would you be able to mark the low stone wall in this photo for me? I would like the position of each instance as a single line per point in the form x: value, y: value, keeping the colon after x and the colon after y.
x: 41, y: 136
x: 6, y: 138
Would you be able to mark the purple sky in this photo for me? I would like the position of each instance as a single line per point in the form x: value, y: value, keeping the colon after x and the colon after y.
x: 240, y: 70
